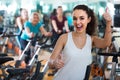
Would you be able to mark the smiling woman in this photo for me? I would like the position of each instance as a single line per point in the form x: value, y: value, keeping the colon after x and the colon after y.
x: 86, y: 14
x: 32, y: 27
x: 76, y: 46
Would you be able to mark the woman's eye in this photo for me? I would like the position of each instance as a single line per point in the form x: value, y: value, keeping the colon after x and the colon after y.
x: 74, y: 18
x: 81, y: 18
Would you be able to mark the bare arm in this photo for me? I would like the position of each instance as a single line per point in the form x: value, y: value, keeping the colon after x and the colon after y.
x: 19, y: 23
x: 58, y: 48
x: 106, y: 41
x: 30, y: 34
x: 54, y: 25
x: 66, y: 26
x: 44, y: 32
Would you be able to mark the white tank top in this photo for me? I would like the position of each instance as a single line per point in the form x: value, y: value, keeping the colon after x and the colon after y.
x: 75, y: 59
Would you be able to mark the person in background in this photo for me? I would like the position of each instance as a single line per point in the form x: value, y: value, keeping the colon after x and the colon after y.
x: 1, y: 19
x: 72, y: 52
x: 70, y: 21
x: 53, y: 13
x: 20, y: 24
x: 58, y: 23
x: 32, y: 27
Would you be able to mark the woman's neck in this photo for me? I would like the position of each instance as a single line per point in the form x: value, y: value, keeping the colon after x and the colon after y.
x: 33, y: 24
x: 59, y: 15
x: 24, y: 18
x: 77, y: 34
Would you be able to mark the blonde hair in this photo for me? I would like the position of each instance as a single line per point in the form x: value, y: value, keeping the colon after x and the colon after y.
x: 32, y: 16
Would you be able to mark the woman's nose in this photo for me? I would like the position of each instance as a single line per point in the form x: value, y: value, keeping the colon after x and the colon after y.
x: 78, y: 21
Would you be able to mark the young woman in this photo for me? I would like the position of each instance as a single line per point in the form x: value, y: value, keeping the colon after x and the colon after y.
x: 20, y: 22
x: 72, y: 52
x: 32, y: 27
x: 58, y: 23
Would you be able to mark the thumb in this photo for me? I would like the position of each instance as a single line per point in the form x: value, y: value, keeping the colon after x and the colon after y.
x: 107, y: 10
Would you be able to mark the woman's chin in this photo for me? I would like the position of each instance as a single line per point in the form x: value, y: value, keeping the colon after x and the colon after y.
x: 34, y: 23
x: 79, y: 30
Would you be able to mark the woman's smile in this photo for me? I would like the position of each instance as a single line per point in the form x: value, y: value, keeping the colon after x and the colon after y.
x: 79, y: 27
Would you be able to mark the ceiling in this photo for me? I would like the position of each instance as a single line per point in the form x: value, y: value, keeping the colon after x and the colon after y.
x: 55, y: 1
x: 52, y: 1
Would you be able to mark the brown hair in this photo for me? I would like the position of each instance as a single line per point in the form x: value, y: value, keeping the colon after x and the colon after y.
x: 91, y: 27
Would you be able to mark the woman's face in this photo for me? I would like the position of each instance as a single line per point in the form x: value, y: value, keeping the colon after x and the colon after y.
x: 35, y: 19
x: 80, y: 20
x: 24, y: 14
x: 59, y: 11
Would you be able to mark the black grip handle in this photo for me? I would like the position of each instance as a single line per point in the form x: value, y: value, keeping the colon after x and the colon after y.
x: 110, y: 54
x: 17, y: 71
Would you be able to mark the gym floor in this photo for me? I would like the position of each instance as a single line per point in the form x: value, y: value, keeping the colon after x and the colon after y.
x: 43, y: 55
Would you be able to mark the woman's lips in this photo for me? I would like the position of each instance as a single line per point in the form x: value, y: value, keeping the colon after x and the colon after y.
x: 79, y: 27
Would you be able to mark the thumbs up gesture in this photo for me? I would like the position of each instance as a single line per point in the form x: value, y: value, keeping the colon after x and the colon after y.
x: 107, y: 16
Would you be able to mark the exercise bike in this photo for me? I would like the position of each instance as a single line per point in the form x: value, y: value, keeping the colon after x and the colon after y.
x: 18, y: 73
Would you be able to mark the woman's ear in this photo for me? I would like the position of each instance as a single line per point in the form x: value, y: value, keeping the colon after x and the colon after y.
x: 89, y: 19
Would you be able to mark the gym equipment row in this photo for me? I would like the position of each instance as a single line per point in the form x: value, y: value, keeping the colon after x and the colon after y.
x: 98, y: 72
x: 25, y: 73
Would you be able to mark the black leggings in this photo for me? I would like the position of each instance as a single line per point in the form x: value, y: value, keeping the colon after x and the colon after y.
x: 55, y: 38
x: 23, y: 43
x: 23, y: 46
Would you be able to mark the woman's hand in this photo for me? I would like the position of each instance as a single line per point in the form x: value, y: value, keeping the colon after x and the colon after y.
x: 31, y: 35
x: 59, y: 32
x: 107, y: 17
x: 49, y: 34
x: 58, y: 63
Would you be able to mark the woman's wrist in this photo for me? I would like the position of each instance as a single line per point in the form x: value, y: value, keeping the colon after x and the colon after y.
x: 109, y: 28
x: 51, y: 62
x: 109, y: 31
x: 109, y: 23
x: 57, y: 31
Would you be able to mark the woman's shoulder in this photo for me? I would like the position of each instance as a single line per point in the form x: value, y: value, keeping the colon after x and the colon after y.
x: 63, y: 38
x: 64, y: 35
x: 64, y: 18
x: 19, y: 18
x: 54, y: 17
x: 40, y: 24
x: 27, y: 23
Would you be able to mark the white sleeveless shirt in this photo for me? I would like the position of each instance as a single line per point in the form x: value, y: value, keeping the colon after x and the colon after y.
x: 75, y: 59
